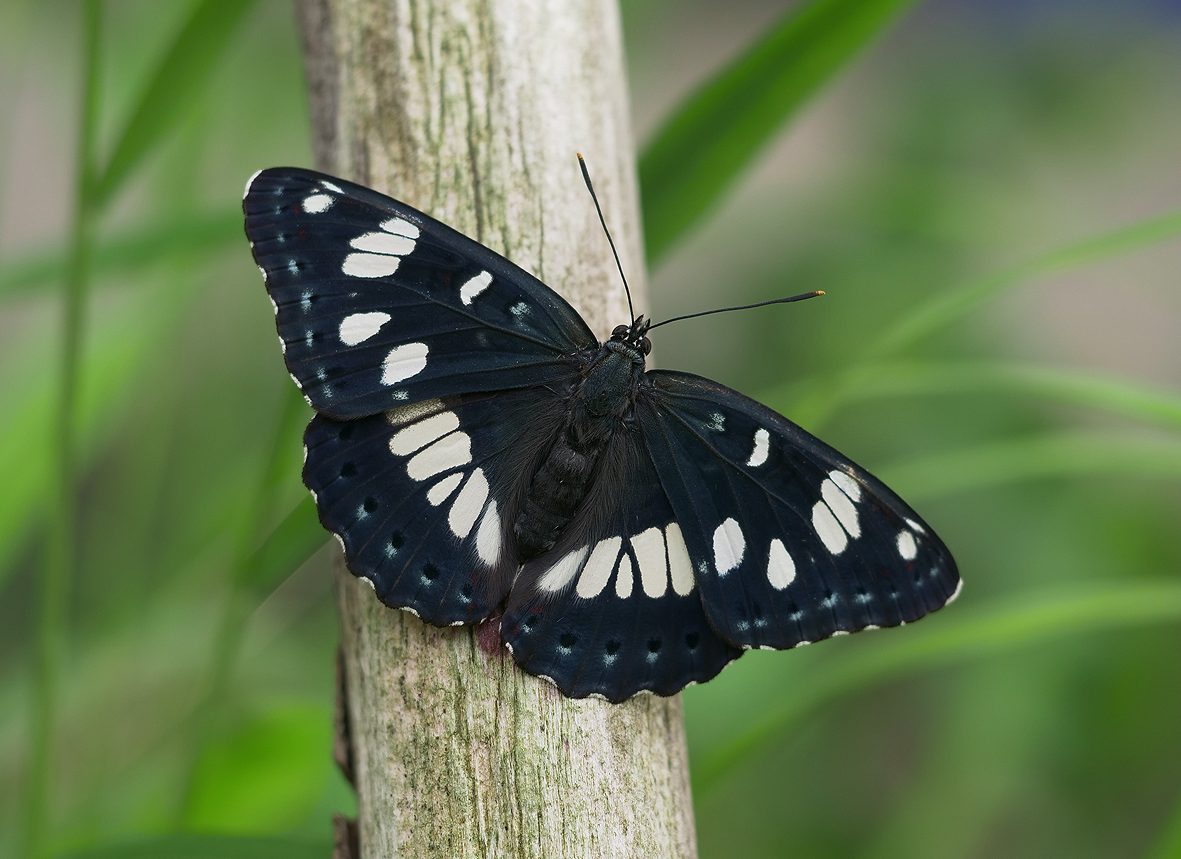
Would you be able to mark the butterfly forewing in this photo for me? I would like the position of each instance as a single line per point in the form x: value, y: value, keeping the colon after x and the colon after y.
x: 791, y: 541
x: 614, y: 608
x: 378, y: 305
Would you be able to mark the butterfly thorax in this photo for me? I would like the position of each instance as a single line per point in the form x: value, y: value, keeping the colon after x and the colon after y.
x: 598, y: 408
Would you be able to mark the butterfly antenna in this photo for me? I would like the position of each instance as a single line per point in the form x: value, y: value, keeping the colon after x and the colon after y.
x: 800, y: 297
x: 586, y: 178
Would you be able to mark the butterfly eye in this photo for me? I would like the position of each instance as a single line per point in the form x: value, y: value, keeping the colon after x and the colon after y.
x: 646, y: 345
x: 620, y: 332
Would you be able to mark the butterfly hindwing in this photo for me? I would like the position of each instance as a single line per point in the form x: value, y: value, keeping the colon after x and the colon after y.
x: 418, y: 496
x: 378, y: 304
x: 791, y: 541
x: 614, y: 609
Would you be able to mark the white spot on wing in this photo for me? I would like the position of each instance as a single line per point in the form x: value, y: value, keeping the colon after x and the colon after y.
x: 332, y: 186
x: 649, y: 548
x: 468, y: 504
x: 359, y: 327
x: 448, y: 452
x: 729, y: 546
x: 680, y: 568
x: 400, y: 227
x: 317, y: 203
x: 560, y: 574
x: 762, y: 445
x: 469, y: 291
x: 828, y: 529
x: 409, y: 439
x: 915, y: 526
x: 955, y: 595
x: 403, y: 362
x: 624, y: 578
x: 488, y: 535
x: 781, y: 569
x: 840, y: 505
x: 846, y: 484
x: 907, y: 547
x: 442, y: 490
x: 598, y: 567
x: 383, y: 243
x: 370, y: 265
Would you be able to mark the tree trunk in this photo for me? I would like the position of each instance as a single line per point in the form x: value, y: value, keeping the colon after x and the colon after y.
x: 472, y: 110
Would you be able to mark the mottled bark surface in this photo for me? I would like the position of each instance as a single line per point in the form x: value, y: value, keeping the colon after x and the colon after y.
x: 473, y: 111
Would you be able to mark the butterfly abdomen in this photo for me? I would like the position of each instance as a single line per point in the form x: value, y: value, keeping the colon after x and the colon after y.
x: 566, y: 473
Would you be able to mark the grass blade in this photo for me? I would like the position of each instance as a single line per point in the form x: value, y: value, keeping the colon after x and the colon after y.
x: 1051, y: 384
x: 233, y: 624
x: 949, y: 307
x: 716, y: 132
x: 186, y: 66
x: 1016, y: 623
x: 292, y: 542
x: 59, y: 554
x: 1068, y: 454
x: 142, y: 245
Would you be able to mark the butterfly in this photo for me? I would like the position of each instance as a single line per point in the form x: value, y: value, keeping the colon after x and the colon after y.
x: 477, y: 450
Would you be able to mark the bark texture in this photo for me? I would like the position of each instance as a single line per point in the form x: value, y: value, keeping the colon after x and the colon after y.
x: 472, y: 110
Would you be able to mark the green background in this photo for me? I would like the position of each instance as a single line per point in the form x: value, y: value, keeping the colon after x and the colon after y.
x: 990, y: 194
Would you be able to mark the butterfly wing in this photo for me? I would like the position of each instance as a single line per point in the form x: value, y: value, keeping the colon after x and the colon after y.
x: 791, y: 541
x: 378, y: 305
x: 421, y: 497
x: 614, y: 609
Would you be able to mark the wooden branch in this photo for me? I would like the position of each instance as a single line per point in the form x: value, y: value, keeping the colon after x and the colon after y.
x: 472, y: 110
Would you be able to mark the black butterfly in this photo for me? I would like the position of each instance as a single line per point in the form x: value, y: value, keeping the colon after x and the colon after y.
x: 476, y: 449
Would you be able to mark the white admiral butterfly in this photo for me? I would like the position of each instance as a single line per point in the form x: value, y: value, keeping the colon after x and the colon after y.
x: 476, y: 449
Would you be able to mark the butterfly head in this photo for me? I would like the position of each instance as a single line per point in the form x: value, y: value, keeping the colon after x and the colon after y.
x: 634, y: 335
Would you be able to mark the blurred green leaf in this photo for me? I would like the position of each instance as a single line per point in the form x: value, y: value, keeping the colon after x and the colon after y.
x: 209, y: 847
x: 1067, y: 454
x: 160, y: 240
x: 715, y: 133
x: 1169, y: 844
x: 187, y: 65
x: 1125, y: 397
x: 272, y: 476
x: 1017, y: 622
x: 949, y: 306
x: 59, y: 558
x: 116, y: 357
x: 267, y: 773
x: 290, y: 544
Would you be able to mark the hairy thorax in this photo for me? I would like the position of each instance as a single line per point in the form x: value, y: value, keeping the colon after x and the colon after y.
x: 596, y: 410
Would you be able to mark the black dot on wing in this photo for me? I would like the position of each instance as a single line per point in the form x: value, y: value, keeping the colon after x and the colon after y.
x: 692, y: 639
x: 397, y: 540
x: 348, y: 470
x: 568, y: 640
x: 430, y: 572
x: 654, y: 645
x: 466, y: 592
x: 612, y: 648
x: 370, y: 504
x: 530, y: 621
